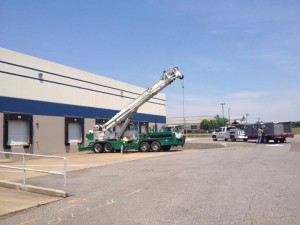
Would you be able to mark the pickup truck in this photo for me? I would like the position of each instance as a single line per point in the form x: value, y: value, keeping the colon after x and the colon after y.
x: 229, y: 133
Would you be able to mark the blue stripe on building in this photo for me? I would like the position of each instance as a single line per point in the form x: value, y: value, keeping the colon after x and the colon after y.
x: 8, y: 104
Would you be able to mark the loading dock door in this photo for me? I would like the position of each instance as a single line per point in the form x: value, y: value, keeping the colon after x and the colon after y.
x: 18, y: 133
x: 143, y: 128
x: 75, y: 133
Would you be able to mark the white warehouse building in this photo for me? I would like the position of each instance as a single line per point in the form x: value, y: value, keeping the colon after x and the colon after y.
x: 46, y: 108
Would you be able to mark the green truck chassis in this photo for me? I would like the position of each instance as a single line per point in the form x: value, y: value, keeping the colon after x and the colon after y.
x: 157, y: 141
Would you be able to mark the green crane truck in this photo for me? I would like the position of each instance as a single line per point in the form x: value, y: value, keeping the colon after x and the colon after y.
x: 103, y: 139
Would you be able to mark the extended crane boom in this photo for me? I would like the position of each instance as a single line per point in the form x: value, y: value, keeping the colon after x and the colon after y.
x: 102, y: 132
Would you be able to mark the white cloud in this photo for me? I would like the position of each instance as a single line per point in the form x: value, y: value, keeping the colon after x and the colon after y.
x: 283, y: 106
x: 247, y: 94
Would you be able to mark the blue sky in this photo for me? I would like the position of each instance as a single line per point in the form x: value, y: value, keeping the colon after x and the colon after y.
x: 243, y: 53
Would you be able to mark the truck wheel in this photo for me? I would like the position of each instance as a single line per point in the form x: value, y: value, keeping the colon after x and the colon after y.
x: 245, y: 139
x: 282, y: 140
x: 97, y: 148
x: 155, y: 146
x: 214, y: 138
x: 144, y: 147
x: 276, y: 140
x: 232, y: 138
x: 225, y: 139
x: 166, y: 147
x: 107, y: 148
x: 265, y: 140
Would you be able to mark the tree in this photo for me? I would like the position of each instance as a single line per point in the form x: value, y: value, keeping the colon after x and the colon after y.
x: 205, y: 124
x: 208, y: 124
x: 221, y: 121
x: 213, y: 124
x: 296, y: 124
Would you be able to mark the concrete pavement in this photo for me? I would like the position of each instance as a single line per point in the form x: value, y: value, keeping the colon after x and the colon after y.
x: 14, y: 200
x: 15, y: 197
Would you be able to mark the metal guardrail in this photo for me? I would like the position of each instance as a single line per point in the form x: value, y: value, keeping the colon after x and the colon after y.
x: 24, y: 169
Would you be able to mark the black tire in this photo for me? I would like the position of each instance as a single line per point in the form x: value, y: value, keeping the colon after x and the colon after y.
x: 144, y: 147
x: 214, y: 138
x: 107, y: 148
x: 276, y: 140
x: 225, y: 139
x: 98, y: 148
x: 166, y: 147
x: 155, y: 146
x: 245, y: 139
x: 265, y: 140
x: 282, y: 140
x: 232, y: 138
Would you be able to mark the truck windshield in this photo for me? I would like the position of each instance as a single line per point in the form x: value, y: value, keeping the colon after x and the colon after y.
x: 171, y: 129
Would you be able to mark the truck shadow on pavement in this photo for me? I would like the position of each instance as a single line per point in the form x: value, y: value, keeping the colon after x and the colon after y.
x: 136, y: 152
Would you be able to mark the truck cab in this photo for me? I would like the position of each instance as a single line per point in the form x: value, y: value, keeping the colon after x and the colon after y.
x: 229, y: 133
x: 178, y: 130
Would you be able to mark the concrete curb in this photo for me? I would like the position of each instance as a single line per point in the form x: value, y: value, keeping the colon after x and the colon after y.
x: 33, y: 189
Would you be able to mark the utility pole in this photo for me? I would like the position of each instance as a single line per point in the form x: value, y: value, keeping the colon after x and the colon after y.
x: 229, y: 114
x: 247, y: 117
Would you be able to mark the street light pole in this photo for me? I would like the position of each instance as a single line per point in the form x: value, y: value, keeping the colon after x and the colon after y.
x: 183, y: 112
x: 247, y: 117
x: 229, y: 114
x: 222, y: 104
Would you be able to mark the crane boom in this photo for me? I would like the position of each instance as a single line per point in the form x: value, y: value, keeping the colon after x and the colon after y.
x: 126, y: 113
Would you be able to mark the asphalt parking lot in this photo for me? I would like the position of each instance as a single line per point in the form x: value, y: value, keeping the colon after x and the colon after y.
x: 241, y: 183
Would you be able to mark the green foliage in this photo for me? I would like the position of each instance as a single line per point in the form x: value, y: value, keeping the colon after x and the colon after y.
x: 208, y: 124
x: 296, y: 124
x: 214, y: 123
x: 221, y: 121
x: 205, y: 135
x: 205, y: 124
x: 296, y: 130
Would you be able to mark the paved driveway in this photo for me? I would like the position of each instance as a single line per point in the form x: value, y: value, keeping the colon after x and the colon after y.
x: 240, y: 184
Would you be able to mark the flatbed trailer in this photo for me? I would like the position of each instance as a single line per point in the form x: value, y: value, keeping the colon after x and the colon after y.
x: 275, y: 137
x: 278, y: 132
